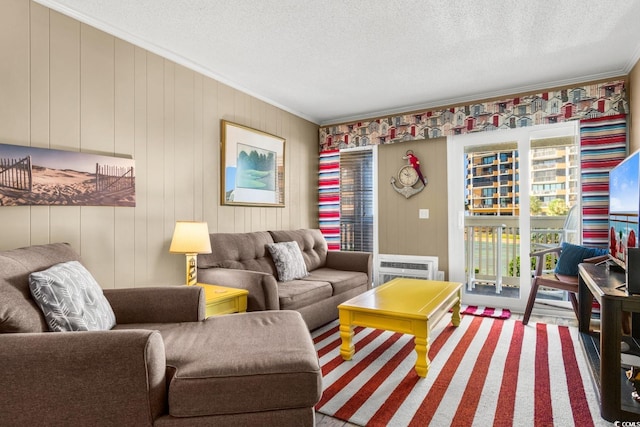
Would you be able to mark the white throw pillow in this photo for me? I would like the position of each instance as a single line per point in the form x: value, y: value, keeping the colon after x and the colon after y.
x: 71, y: 299
x: 288, y: 260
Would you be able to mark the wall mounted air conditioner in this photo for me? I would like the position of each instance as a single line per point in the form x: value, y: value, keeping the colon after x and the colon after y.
x: 411, y: 266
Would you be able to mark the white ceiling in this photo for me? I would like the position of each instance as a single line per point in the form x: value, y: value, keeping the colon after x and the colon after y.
x: 333, y: 61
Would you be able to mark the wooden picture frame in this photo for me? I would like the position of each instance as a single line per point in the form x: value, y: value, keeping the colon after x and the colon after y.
x: 252, y: 167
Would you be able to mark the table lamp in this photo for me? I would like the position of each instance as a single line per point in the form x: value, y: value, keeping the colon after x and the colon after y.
x: 191, y: 238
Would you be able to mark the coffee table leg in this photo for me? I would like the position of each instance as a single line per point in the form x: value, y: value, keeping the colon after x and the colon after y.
x: 346, y: 333
x: 455, y: 316
x: 421, y: 333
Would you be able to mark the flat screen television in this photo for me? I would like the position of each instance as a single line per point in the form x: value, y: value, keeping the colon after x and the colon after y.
x: 624, y: 207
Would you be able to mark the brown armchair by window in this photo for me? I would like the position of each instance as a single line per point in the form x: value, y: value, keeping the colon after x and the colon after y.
x: 565, y: 276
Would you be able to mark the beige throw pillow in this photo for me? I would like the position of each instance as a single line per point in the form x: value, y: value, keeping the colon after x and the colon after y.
x: 288, y: 260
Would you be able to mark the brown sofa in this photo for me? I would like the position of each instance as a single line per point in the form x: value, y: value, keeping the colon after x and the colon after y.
x: 242, y: 260
x: 163, y: 364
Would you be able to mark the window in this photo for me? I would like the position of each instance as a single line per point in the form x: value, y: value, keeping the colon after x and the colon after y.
x: 576, y: 96
x: 537, y: 105
x: 488, y: 192
x: 356, y: 200
x: 488, y: 160
x: 609, y: 91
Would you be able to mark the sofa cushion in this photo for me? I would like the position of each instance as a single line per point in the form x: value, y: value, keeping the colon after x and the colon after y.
x: 340, y: 280
x: 278, y: 369
x: 295, y: 294
x: 242, y: 251
x: 312, y: 244
x: 18, y: 310
x: 288, y: 261
x: 71, y: 299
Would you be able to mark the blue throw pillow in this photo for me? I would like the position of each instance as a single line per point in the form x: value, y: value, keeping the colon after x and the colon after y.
x: 572, y: 255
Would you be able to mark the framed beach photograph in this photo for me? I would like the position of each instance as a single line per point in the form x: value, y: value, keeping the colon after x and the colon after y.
x: 48, y: 177
x: 252, y: 167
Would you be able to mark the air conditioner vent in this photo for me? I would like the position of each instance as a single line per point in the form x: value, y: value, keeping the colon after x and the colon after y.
x: 404, y: 265
x: 410, y: 266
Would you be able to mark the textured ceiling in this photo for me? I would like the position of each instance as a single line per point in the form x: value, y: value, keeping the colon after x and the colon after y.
x: 335, y: 60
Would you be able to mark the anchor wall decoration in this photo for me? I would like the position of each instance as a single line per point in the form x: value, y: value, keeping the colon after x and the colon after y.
x: 409, y: 176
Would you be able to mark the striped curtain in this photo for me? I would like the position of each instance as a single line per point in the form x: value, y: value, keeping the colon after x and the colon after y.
x: 603, y: 144
x: 329, y: 198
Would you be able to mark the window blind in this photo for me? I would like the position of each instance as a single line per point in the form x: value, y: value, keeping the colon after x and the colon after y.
x: 356, y: 200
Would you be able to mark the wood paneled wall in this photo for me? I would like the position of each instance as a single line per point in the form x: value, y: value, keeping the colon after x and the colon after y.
x: 399, y: 228
x: 65, y: 85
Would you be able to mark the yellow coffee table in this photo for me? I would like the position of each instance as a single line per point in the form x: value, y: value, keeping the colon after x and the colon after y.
x: 409, y: 306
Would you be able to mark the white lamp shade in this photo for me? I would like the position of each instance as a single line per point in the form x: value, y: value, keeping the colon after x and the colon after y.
x: 190, y: 237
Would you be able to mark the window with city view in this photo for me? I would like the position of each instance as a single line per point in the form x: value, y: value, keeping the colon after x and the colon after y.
x: 492, y: 179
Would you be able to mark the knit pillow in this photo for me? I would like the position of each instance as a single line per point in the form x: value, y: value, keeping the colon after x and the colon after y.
x: 288, y: 261
x: 71, y: 299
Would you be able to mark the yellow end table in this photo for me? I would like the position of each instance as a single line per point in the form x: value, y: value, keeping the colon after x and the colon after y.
x: 224, y: 300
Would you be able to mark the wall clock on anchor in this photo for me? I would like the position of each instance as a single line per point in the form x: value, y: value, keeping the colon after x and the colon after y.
x: 409, y: 176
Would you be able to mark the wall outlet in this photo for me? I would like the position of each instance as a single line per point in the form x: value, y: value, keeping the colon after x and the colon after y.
x: 423, y: 213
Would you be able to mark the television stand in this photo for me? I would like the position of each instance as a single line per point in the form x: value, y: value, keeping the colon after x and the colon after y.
x: 603, y: 349
x: 614, y: 266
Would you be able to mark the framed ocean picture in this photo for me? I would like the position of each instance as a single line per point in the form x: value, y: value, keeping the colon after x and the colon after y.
x: 252, y: 167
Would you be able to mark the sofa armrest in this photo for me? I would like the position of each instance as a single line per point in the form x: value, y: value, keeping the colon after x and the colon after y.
x: 262, y: 287
x: 82, y: 378
x: 351, y: 261
x: 168, y: 304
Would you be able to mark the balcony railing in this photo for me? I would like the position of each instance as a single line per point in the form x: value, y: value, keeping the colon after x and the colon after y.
x: 493, y: 246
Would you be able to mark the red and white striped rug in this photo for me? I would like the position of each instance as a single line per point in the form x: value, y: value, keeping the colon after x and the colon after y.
x: 485, y: 372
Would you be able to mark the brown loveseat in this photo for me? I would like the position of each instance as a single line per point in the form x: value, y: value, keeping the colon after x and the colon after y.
x: 163, y: 364
x: 242, y: 260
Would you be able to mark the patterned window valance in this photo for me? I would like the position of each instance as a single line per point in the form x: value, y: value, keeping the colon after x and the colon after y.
x: 587, y: 101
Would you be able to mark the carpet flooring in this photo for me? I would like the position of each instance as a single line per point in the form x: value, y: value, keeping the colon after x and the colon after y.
x: 486, y: 372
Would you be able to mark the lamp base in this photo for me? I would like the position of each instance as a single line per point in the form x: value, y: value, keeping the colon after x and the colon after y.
x: 192, y: 269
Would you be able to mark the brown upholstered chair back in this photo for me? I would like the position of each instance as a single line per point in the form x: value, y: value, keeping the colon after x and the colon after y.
x: 241, y: 251
x: 18, y: 311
